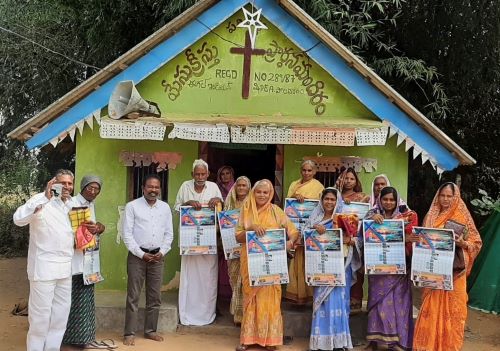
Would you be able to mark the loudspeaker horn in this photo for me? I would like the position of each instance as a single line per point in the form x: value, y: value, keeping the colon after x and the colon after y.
x: 126, y: 99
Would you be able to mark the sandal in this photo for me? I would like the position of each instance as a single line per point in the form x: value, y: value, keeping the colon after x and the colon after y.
x: 241, y: 347
x: 94, y: 345
x: 109, y: 343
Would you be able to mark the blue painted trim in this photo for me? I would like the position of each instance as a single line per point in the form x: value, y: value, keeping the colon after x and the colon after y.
x: 366, y: 93
x: 139, y: 70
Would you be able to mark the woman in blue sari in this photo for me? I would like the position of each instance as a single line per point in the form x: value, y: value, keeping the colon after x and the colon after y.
x: 330, y: 324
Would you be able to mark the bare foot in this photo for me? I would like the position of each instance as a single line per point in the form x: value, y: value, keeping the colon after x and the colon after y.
x: 153, y: 336
x: 129, y: 340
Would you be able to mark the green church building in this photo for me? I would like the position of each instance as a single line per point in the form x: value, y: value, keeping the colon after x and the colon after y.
x: 259, y: 90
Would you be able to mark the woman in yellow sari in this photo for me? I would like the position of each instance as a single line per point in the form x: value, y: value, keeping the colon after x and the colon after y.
x: 441, y: 321
x: 262, y: 323
x: 234, y: 200
x: 304, y: 188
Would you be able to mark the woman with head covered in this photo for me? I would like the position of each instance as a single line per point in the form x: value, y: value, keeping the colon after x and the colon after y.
x: 262, y: 322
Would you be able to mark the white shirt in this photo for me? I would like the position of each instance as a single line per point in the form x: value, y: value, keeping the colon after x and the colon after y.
x: 77, y: 261
x: 187, y: 193
x: 147, y: 226
x: 51, y: 237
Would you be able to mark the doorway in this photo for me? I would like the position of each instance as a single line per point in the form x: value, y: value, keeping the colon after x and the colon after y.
x: 256, y: 161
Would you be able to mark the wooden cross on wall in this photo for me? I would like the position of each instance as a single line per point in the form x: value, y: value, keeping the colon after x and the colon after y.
x: 247, y: 53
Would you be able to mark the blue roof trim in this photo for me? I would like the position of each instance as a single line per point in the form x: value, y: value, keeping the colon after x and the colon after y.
x: 370, y: 96
x: 139, y: 70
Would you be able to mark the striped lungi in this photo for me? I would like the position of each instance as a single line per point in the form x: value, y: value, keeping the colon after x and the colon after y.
x: 81, y: 328
x: 236, y: 307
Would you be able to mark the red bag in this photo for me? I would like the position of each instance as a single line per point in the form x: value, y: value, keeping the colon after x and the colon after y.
x: 84, y: 239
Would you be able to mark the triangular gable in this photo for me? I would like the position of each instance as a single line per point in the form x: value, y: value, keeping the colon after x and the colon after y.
x: 324, y: 55
x: 274, y: 83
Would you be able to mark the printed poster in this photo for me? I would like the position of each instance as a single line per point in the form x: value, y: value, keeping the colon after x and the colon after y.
x: 267, y: 261
x: 324, y: 258
x: 92, y: 266
x: 227, y: 224
x: 384, y: 247
x: 299, y: 212
x: 358, y: 208
x: 432, y: 259
x: 197, y: 231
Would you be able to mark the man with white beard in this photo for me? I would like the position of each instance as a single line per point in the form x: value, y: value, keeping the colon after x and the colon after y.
x: 198, y: 286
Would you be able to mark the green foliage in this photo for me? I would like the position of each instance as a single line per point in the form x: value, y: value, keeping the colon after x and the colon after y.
x: 442, y: 56
x: 366, y: 28
x: 13, y: 239
x: 485, y: 205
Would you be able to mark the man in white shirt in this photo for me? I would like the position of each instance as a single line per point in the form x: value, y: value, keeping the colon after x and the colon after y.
x: 147, y: 234
x: 49, y: 261
x: 81, y: 327
x: 198, y: 285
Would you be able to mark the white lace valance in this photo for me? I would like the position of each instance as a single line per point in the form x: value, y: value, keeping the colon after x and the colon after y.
x: 261, y: 135
x: 132, y: 130
x: 326, y: 136
x: 372, y: 136
x: 200, y: 132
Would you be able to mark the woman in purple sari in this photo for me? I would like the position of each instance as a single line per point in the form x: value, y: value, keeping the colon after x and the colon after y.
x: 390, y: 308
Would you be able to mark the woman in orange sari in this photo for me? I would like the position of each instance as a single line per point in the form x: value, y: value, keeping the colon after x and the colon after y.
x: 441, y: 321
x: 304, y: 188
x: 350, y: 186
x: 262, y: 323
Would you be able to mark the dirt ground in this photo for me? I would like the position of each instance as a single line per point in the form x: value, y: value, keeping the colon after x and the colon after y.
x: 482, y: 330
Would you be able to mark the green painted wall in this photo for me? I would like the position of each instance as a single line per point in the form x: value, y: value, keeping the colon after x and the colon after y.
x: 204, y: 83
x: 280, y: 90
x: 392, y: 161
x: 100, y: 156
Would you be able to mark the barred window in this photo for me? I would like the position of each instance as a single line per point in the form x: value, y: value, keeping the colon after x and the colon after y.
x: 328, y: 179
x: 136, y: 176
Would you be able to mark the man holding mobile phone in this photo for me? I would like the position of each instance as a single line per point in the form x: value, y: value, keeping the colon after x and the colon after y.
x: 49, y: 261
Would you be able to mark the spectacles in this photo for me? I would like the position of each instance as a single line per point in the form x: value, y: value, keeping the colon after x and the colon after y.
x: 93, y: 189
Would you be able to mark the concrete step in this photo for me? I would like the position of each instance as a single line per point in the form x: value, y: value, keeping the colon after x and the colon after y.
x: 110, y: 311
x: 110, y: 316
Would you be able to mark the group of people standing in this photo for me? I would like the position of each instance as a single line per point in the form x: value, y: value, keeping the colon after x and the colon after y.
x: 148, y: 234
x: 441, y: 321
x: 61, y: 306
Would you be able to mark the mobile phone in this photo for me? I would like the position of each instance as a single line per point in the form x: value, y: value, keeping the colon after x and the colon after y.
x: 56, y: 190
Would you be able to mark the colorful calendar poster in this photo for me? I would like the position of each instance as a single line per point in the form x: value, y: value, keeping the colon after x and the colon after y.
x: 299, y: 212
x: 267, y: 262
x: 227, y: 224
x: 432, y: 259
x: 358, y: 208
x: 324, y: 258
x: 197, y: 231
x: 384, y: 247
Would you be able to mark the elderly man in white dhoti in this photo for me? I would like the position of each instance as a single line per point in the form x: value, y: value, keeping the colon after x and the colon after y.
x: 198, y: 286
x: 49, y: 261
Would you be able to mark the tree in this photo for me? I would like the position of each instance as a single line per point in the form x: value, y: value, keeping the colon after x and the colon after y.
x: 442, y: 56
